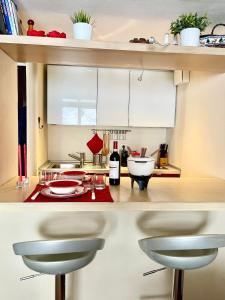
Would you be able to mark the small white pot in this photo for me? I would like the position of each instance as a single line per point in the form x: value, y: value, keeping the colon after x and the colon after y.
x: 140, y: 166
x: 190, y: 37
x: 82, y: 31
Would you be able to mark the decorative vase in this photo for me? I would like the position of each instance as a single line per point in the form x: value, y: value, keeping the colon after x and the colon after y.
x: 82, y: 31
x: 190, y: 37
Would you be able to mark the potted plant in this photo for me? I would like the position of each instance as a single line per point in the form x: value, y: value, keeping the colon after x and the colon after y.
x: 82, y: 27
x: 189, y: 26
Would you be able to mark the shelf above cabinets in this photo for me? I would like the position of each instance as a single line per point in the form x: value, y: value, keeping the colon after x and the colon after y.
x: 111, y: 54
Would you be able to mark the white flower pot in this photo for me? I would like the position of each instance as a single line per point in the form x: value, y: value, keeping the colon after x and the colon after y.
x: 190, y: 37
x: 82, y: 31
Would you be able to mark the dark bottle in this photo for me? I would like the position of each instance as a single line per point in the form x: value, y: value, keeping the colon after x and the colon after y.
x: 163, y: 156
x: 124, y: 156
x: 114, y: 166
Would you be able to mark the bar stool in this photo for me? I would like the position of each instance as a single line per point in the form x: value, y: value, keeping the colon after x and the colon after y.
x: 58, y: 257
x: 182, y: 253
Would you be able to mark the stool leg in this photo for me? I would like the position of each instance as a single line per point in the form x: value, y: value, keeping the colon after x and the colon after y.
x: 178, y: 284
x: 60, y: 287
x: 132, y: 183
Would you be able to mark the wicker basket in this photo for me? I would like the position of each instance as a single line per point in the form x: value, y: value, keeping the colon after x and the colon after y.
x: 213, y: 40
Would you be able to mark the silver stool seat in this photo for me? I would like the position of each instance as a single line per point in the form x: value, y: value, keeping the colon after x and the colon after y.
x: 58, y: 257
x: 182, y: 253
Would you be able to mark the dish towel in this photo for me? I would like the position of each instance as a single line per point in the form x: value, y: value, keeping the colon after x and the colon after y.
x: 101, y: 196
x: 95, y: 144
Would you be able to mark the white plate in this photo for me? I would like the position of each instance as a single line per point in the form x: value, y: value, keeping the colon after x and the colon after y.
x: 80, y: 190
x: 61, y: 187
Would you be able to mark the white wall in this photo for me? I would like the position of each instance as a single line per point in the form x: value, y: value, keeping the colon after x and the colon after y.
x: 68, y: 139
x: 8, y: 119
x: 108, y: 28
x: 116, y: 272
x: 197, y: 142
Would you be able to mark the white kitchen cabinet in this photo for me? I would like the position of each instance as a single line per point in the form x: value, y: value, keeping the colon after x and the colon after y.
x: 113, y: 97
x: 72, y: 95
x: 152, y: 99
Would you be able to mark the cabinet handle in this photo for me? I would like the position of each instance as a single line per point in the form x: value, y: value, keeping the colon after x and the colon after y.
x: 40, y: 126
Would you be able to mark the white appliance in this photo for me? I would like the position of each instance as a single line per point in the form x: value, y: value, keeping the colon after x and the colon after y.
x: 140, y: 166
x: 140, y: 170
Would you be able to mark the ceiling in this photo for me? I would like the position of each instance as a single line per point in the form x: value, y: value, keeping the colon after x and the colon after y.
x: 135, y: 9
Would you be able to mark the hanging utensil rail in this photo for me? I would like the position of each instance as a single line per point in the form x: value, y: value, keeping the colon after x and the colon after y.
x: 115, y: 134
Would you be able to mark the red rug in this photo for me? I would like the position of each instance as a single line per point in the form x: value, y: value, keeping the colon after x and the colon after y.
x: 101, y: 196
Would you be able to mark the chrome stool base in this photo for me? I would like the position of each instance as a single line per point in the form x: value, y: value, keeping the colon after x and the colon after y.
x: 178, y: 283
x: 60, y: 282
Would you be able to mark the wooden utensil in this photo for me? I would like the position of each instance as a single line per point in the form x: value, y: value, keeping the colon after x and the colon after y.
x: 105, y: 149
x: 143, y: 152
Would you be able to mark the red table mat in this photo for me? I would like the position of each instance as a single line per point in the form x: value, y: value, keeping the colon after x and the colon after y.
x: 101, y: 196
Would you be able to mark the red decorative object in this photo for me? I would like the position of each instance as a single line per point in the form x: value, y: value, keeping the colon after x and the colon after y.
x: 135, y: 153
x: 56, y: 34
x: 36, y: 33
x: 31, y: 31
x: 53, y: 34
x: 30, y: 23
x: 95, y: 144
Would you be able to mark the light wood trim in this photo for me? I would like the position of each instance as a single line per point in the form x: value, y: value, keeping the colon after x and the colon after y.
x: 181, y: 77
x: 8, y: 119
x: 112, y: 54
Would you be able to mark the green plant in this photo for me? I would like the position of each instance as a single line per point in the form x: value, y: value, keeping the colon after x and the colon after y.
x: 191, y: 20
x: 81, y: 17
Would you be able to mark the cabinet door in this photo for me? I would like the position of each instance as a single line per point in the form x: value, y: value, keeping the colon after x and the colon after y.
x: 152, y: 99
x: 113, y: 97
x: 72, y: 95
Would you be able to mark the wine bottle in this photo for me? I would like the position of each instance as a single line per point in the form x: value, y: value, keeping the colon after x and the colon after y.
x: 114, y: 166
x: 124, y: 156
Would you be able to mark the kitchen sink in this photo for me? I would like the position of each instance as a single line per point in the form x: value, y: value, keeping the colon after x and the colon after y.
x: 66, y: 165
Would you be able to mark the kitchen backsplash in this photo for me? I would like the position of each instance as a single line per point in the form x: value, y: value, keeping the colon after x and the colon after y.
x: 68, y: 139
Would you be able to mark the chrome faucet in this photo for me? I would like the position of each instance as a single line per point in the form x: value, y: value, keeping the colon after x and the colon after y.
x: 78, y: 156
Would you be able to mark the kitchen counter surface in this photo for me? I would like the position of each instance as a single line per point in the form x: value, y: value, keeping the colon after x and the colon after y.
x: 172, y: 194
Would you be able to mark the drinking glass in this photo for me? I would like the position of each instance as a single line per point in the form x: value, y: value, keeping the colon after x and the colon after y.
x: 100, y: 181
x: 89, y: 182
x: 48, y: 176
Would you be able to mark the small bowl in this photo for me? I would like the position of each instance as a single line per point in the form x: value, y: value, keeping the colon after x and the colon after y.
x: 63, y: 187
x: 78, y: 175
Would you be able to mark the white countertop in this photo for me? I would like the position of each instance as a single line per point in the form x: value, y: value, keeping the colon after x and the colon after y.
x: 172, y: 194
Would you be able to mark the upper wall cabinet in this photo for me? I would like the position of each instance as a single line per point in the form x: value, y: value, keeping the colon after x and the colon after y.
x: 152, y: 99
x: 113, y: 97
x: 72, y: 95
